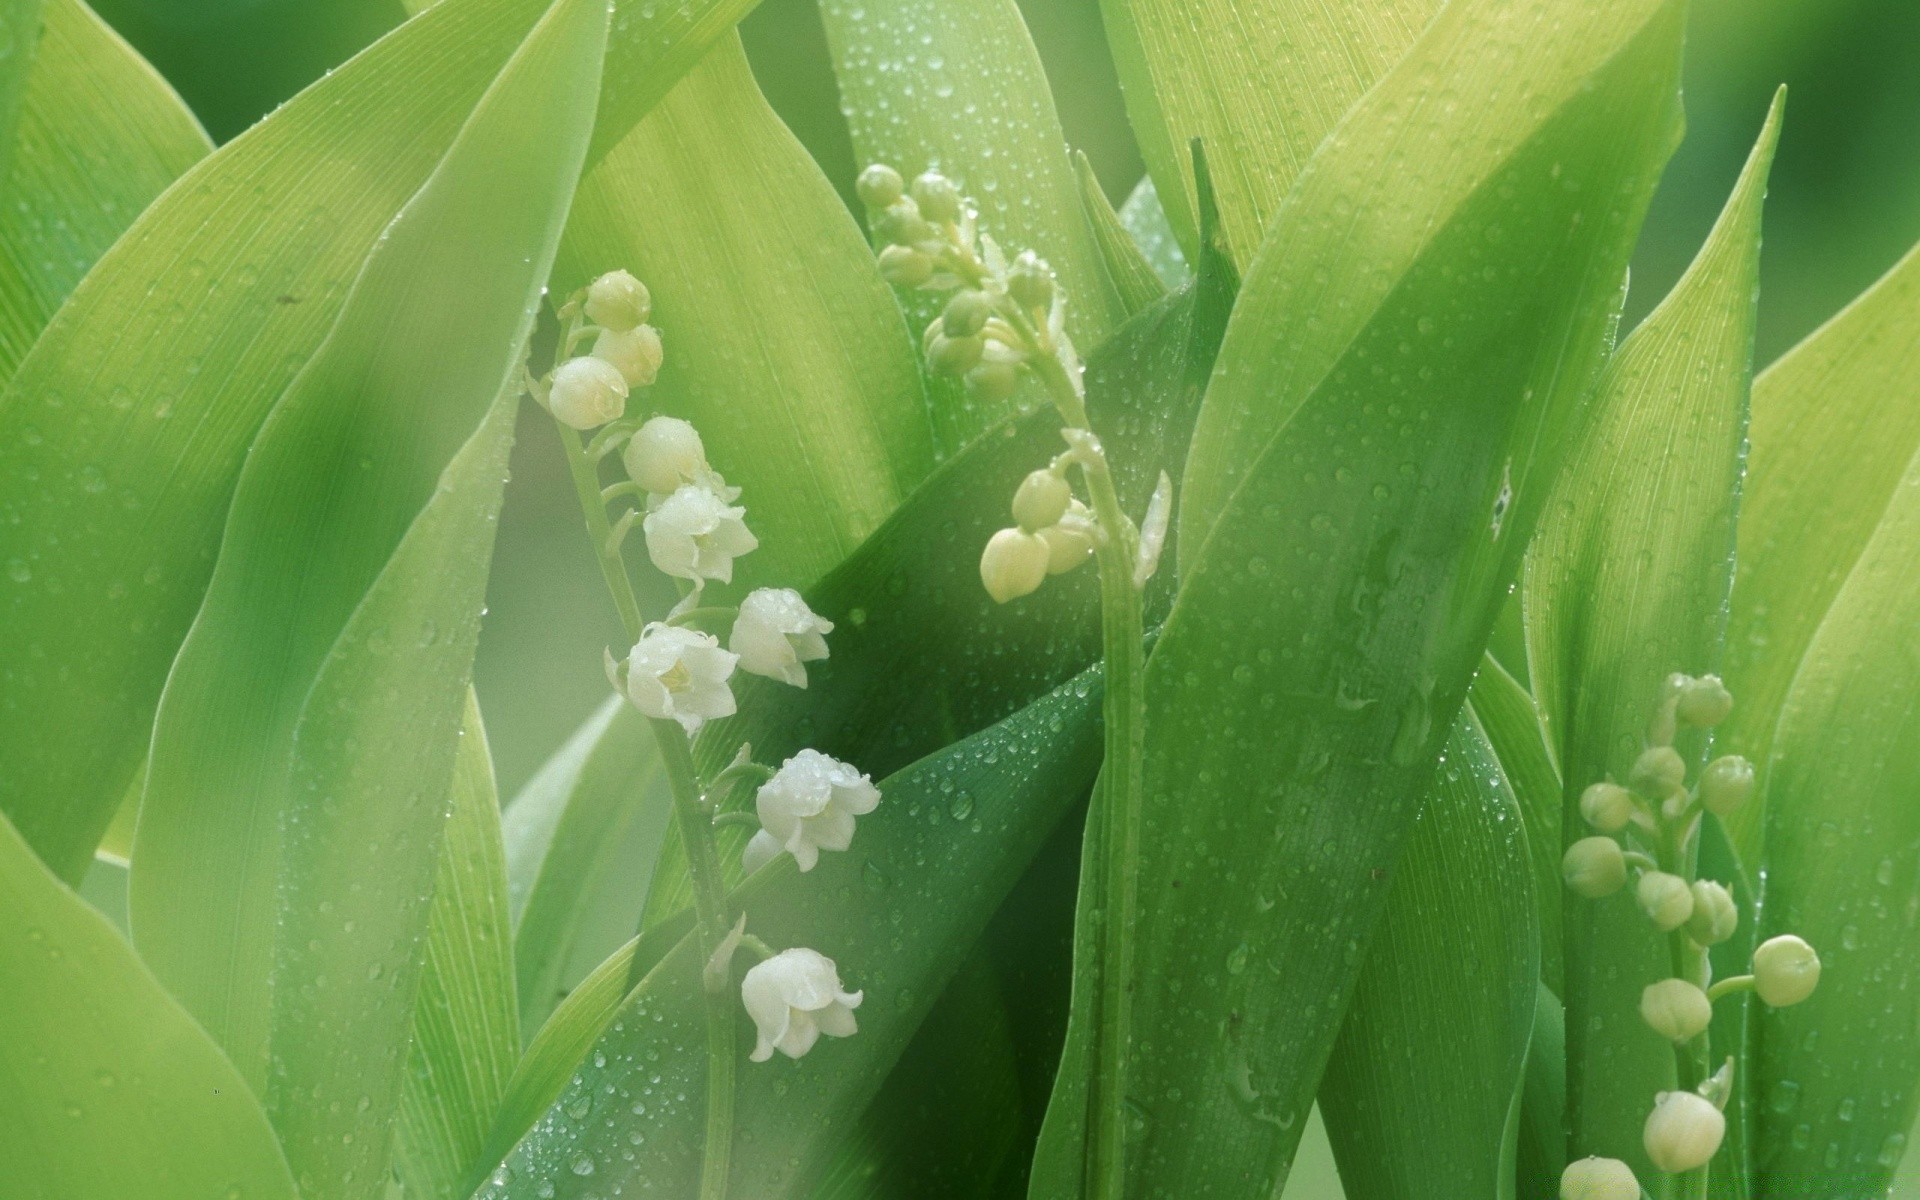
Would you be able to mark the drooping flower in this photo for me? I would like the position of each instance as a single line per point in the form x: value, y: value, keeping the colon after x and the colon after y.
x: 1598, y: 1179
x: 1013, y: 564
x: 636, y: 353
x: 1683, y: 1131
x: 1071, y: 540
x: 1666, y: 899
x: 1675, y: 1009
x: 808, y: 806
x: 776, y: 633
x: 1786, y: 970
x: 793, y: 998
x: 618, y: 301
x: 694, y: 534
x: 1594, y: 867
x: 681, y: 675
x: 586, y: 393
x: 666, y: 454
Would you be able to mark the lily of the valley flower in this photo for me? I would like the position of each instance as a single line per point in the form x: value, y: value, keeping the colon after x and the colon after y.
x: 776, y: 633
x: 1599, y: 1179
x: 586, y: 393
x: 636, y: 353
x: 1683, y: 1131
x: 793, y: 998
x: 808, y: 806
x: 694, y: 534
x: 666, y: 454
x: 681, y: 675
x: 618, y: 301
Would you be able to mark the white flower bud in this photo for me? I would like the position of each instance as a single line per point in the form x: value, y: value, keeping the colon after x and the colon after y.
x: 793, y: 998
x: 694, y: 534
x: 636, y: 353
x: 1715, y: 916
x: 665, y: 455
x: 618, y: 301
x: 1030, y: 281
x: 879, y: 185
x: 1594, y: 867
x: 776, y: 632
x: 1599, y: 1179
x: 1607, y: 807
x: 1785, y: 970
x: 1041, y: 500
x: 681, y: 675
x: 1675, y: 1009
x: 1070, y: 540
x: 901, y: 223
x: 1666, y: 899
x: 1683, y: 1131
x: 1657, y: 772
x: 1726, y: 784
x: 1704, y: 702
x: 903, y: 266
x: 993, y: 379
x: 1014, y: 564
x: 808, y: 806
x: 586, y: 393
x: 954, y: 356
x: 966, y: 314
x: 937, y: 196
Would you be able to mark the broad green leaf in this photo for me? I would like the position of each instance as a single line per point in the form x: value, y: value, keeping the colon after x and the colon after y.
x: 1627, y: 582
x: 1146, y: 220
x: 896, y: 913
x: 782, y: 344
x: 466, y: 1023
x: 569, y: 829
x: 957, y: 85
x: 1513, y: 726
x: 1131, y: 275
x: 1260, y: 84
x: 296, y: 792
x: 19, y: 35
x: 99, y: 136
x: 1389, y: 408
x: 1541, y: 1153
x: 197, y: 320
x: 1422, y: 1093
x: 1835, y: 423
x: 111, y: 1089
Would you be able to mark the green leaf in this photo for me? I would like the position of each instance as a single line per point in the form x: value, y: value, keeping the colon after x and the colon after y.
x: 1422, y: 1093
x: 783, y: 345
x: 1388, y: 411
x: 290, y: 829
x: 99, y: 136
x: 897, y: 914
x: 1513, y: 725
x: 1541, y: 1155
x: 1131, y: 275
x: 957, y: 85
x: 466, y: 1024
x: 112, y: 1090
x: 1260, y: 84
x: 200, y: 318
x: 1143, y: 217
x: 1611, y: 610
x: 569, y: 829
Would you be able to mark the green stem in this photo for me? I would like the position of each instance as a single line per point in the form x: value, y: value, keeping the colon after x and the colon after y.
x: 1692, y: 1058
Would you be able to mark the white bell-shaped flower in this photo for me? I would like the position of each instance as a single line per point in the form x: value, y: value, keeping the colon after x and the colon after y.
x: 793, y: 998
x: 618, y: 301
x: 586, y: 393
x: 636, y: 353
x: 1596, y: 1178
x: 680, y: 675
x: 695, y: 534
x: 808, y: 806
x: 1683, y: 1131
x: 776, y: 633
x: 665, y: 455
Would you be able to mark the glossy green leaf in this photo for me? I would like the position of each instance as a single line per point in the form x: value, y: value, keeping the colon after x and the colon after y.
x: 896, y: 914
x: 1611, y: 611
x: 570, y: 828
x: 1133, y: 278
x: 126, y: 426
x: 1389, y: 408
x: 1144, y: 218
x: 783, y: 345
x: 1260, y: 84
x: 1513, y: 725
x: 111, y: 1089
x: 466, y: 1022
x: 19, y: 35
x: 957, y: 85
x: 99, y: 136
x: 1422, y: 1094
x: 290, y: 830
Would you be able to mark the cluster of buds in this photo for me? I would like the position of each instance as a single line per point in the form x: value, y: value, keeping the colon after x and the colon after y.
x: 1053, y: 533
x: 591, y: 390
x: 1650, y: 827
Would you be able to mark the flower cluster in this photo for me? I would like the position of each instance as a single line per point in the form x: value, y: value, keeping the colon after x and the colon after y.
x: 1650, y: 828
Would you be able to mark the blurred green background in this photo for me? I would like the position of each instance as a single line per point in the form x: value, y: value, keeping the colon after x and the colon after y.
x: 1844, y: 205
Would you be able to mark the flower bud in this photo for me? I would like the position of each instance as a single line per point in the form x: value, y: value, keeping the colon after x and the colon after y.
x: 1676, y: 1010
x: 879, y: 185
x: 1607, y: 807
x: 1683, y: 1131
x: 1599, y: 1179
x: 937, y: 196
x: 1704, y: 702
x: 636, y: 353
x: 1594, y: 867
x: 587, y: 393
x: 1666, y: 899
x: 1785, y: 970
x: 665, y: 455
x: 1715, y: 916
x: 903, y: 266
x: 1041, y: 500
x: 954, y: 355
x: 618, y: 301
x: 1658, y: 771
x: 1070, y: 541
x: 1726, y: 784
x: 993, y: 380
x: 1013, y: 564
x: 902, y: 224
x: 966, y: 314
x: 1030, y: 281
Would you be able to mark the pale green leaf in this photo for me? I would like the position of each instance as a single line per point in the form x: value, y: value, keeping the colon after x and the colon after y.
x: 466, y: 1023
x: 111, y: 1090
x: 1133, y: 278
x: 1512, y: 723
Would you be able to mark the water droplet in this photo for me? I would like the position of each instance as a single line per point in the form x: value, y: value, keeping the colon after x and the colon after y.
x: 583, y: 1165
